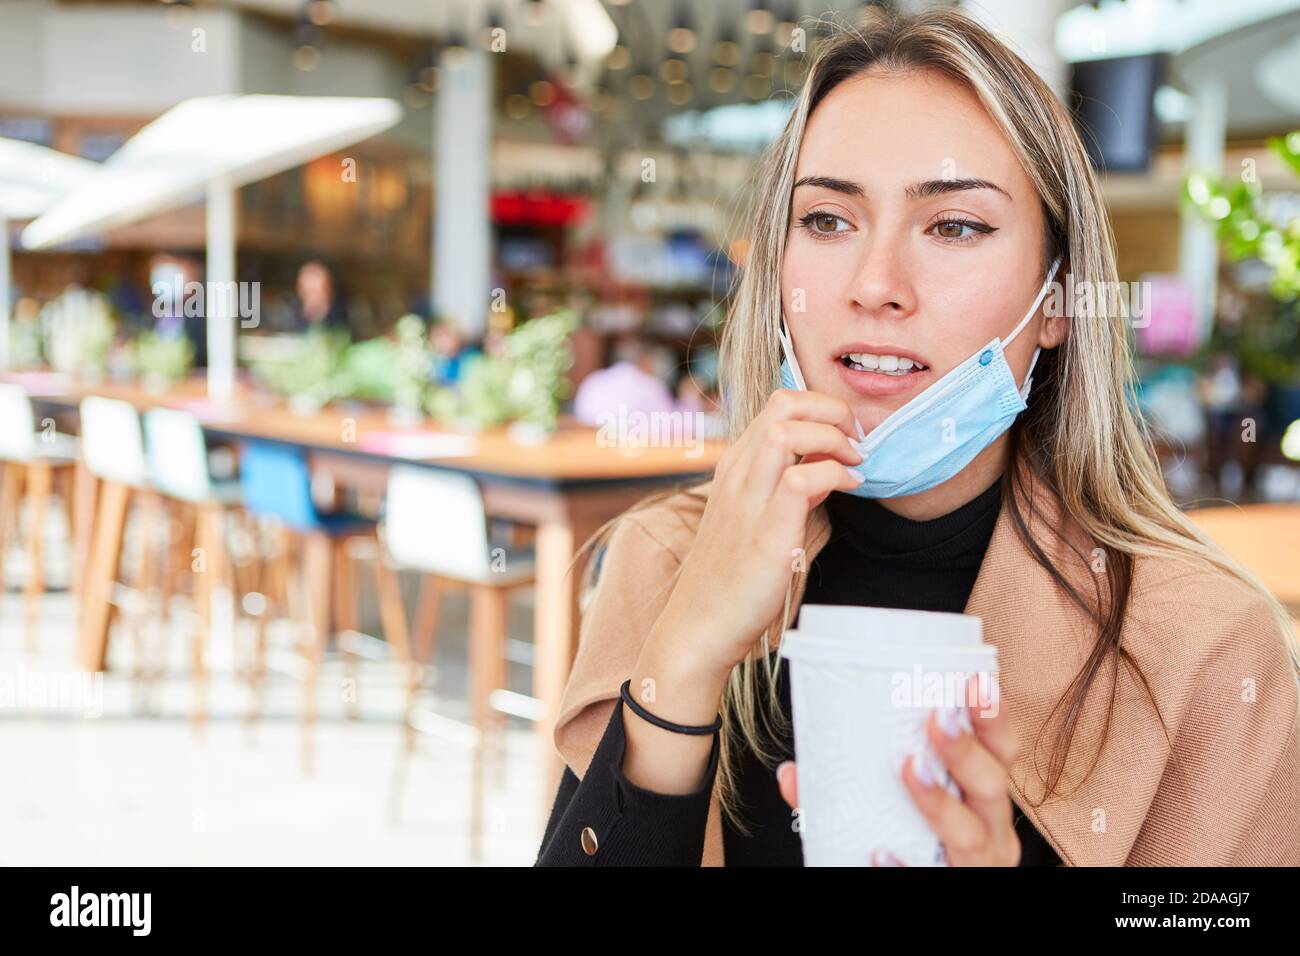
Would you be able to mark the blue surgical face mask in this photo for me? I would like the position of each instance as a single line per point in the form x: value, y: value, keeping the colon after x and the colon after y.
x: 940, y: 431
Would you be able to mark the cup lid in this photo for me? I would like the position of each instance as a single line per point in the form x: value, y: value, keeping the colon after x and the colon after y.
x: 799, y: 645
x: 888, y: 625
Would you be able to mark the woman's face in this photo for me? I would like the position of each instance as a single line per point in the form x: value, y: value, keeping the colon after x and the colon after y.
x: 915, y: 238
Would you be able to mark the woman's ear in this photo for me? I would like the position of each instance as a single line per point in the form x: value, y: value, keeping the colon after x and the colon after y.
x: 1056, y: 311
x: 1052, y: 332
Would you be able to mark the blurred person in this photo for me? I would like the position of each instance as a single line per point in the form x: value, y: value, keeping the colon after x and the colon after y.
x: 451, y: 351
x: 587, y: 347
x: 698, y: 388
x: 494, y: 342
x: 635, y: 382
x: 692, y: 396
x: 318, y: 303
x: 908, y: 272
x: 1232, y: 402
x: 499, y: 326
x: 179, y: 302
x: 695, y: 397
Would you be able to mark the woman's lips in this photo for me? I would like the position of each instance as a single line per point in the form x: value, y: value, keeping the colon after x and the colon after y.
x: 879, y: 384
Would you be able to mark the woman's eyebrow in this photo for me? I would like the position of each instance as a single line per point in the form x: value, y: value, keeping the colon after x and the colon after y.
x: 829, y: 182
x: 922, y: 190
x: 938, y: 187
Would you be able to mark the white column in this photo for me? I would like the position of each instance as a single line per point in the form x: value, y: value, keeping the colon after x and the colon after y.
x: 1030, y: 30
x: 6, y: 286
x: 462, y: 234
x: 220, y: 308
x: 1198, y: 250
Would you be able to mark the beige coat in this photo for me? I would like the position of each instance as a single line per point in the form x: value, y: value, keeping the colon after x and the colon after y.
x: 1227, y: 792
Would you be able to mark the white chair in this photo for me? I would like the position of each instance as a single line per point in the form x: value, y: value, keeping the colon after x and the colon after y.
x: 112, y: 448
x: 40, y: 462
x: 112, y: 442
x: 435, y: 524
x: 176, y: 454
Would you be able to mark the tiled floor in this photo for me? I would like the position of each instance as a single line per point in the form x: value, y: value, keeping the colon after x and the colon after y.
x: 99, y: 776
x: 91, y: 779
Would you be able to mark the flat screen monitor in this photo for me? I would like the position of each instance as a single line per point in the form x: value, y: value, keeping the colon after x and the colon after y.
x: 1114, y: 107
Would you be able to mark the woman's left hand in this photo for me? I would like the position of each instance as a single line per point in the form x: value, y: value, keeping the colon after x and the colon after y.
x: 976, y: 830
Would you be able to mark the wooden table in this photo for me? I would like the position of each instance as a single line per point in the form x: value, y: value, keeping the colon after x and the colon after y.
x: 1265, y: 538
x: 567, y: 488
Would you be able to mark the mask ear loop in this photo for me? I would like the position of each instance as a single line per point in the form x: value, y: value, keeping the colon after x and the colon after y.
x: 787, y: 346
x: 1029, y: 376
x: 1042, y: 293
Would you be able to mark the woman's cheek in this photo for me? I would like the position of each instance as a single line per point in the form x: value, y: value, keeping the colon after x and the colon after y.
x: 789, y: 280
x: 797, y: 285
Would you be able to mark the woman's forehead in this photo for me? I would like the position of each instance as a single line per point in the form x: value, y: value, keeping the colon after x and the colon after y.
x: 887, y: 130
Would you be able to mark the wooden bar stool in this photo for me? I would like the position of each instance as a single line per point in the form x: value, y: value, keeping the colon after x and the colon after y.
x: 112, y: 448
x: 200, y: 510
x: 435, y: 523
x: 276, y: 483
x: 41, y: 463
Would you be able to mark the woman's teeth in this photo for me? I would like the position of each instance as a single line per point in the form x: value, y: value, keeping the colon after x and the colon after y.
x: 885, y: 364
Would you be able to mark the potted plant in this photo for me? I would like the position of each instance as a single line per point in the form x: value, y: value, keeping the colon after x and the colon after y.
x: 522, y: 386
x: 306, y: 370
x: 78, y: 328
x: 540, y: 354
x: 1266, y: 343
x: 162, y: 359
x: 25, y: 336
x: 411, y: 366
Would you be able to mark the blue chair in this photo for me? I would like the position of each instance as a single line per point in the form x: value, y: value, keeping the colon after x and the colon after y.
x: 276, y: 484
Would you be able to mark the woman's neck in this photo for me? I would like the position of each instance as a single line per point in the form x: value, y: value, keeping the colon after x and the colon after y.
x: 957, y: 490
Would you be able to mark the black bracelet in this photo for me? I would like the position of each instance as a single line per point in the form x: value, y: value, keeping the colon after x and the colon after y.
x: 696, y: 730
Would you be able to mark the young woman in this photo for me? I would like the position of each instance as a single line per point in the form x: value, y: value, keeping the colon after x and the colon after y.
x: 926, y: 187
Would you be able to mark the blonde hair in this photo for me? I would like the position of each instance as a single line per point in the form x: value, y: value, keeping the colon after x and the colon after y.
x: 1081, y: 435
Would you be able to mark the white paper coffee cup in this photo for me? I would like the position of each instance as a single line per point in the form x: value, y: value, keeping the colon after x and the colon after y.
x: 889, y: 624
x: 860, y: 708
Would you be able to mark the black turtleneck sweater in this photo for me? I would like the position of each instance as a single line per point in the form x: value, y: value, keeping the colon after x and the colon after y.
x: 875, y: 558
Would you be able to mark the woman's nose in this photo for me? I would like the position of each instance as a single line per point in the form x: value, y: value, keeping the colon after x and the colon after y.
x: 881, y: 284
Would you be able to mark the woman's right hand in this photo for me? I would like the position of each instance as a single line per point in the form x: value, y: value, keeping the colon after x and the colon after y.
x: 752, y: 534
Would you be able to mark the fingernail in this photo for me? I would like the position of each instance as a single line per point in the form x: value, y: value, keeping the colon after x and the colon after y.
x: 950, y: 722
x: 783, y: 769
x: 886, y: 858
x: 923, y: 770
x: 857, y: 475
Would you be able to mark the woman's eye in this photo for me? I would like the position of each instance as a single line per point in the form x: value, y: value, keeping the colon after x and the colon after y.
x: 959, y: 230
x: 824, y: 223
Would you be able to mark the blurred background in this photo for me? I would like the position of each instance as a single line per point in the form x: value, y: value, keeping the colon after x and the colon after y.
x: 330, y: 330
